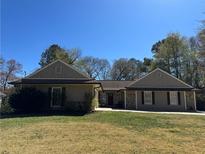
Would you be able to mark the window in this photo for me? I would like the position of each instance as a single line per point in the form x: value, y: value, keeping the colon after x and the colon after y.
x: 148, y: 97
x: 173, y: 97
x: 56, y: 97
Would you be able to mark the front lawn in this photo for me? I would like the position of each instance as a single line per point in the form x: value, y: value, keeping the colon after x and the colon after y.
x: 104, y: 132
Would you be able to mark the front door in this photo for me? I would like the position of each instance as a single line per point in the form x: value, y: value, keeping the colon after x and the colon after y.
x: 56, y: 97
x: 110, y: 99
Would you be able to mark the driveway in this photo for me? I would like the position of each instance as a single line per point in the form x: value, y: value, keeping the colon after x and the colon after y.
x: 202, y: 113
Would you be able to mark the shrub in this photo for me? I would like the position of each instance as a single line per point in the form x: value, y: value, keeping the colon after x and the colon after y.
x: 200, y: 97
x: 91, y: 102
x: 74, y: 106
x: 27, y: 100
x: 5, y: 107
x: 85, y: 106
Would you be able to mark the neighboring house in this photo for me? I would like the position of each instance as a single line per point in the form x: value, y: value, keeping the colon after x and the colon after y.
x: 157, y: 91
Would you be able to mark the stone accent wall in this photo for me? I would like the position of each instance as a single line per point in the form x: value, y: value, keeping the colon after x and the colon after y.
x: 102, y: 99
x: 118, y: 99
x: 131, y: 100
x: 190, y: 101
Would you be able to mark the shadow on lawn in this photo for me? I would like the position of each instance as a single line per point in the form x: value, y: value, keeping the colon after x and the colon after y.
x: 41, y: 114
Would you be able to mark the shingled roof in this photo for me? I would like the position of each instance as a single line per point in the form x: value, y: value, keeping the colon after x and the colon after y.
x: 114, y: 85
x: 57, y: 72
x: 159, y: 79
x: 54, y: 81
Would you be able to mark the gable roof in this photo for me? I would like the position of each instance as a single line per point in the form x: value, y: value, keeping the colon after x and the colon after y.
x: 159, y: 79
x: 66, y: 72
x: 114, y: 84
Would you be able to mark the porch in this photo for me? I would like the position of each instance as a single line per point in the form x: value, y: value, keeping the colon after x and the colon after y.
x: 150, y: 100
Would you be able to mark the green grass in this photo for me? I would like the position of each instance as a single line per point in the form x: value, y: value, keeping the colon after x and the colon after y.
x: 104, y: 132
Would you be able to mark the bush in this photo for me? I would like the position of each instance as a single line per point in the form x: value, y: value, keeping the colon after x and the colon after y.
x: 27, y: 100
x: 86, y: 106
x: 200, y: 97
x: 5, y: 107
x: 90, y: 104
x: 74, y: 106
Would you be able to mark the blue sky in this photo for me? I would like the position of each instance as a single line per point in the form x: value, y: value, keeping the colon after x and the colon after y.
x: 102, y: 28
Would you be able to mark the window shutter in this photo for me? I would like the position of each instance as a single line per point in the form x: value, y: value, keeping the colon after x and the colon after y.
x: 142, y: 97
x: 49, y: 96
x: 179, y: 100
x: 153, y: 98
x: 63, y: 96
x: 168, y: 98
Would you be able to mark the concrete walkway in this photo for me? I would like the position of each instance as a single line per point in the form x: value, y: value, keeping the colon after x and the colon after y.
x: 201, y: 113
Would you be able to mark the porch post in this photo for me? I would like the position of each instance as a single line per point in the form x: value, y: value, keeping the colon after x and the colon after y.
x: 185, y: 105
x: 136, y: 98
x: 194, y: 100
x: 125, y: 99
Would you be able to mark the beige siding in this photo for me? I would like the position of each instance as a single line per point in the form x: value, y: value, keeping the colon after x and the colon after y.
x: 161, y: 102
x: 77, y: 92
x: 73, y: 93
x: 41, y: 87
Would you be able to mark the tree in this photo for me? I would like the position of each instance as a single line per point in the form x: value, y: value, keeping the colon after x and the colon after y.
x: 95, y: 67
x: 2, y: 61
x: 127, y: 69
x: 180, y: 56
x: 169, y: 54
x: 201, y: 39
x: 147, y: 65
x: 135, y: 69
x: 51, y: 54
x: 73, y: 55
x: 9, y: 72
x: 119, y: 69
x: 156, y: 47
x: 55, y: 52
x: 190, y: 61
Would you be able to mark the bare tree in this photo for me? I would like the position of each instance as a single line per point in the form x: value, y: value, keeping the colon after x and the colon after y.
x: 73, y: 55
x: 95, y: 67
x: 127, y: 69
x: 8, y: 71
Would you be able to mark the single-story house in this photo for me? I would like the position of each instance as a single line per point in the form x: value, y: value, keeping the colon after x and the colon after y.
x: 156, y: 91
